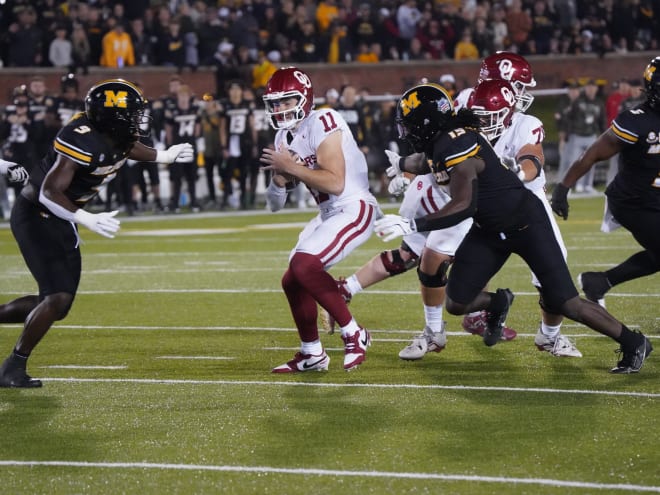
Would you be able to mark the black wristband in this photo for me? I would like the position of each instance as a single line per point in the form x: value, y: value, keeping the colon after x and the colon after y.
x: 402, y: 163
x: 535, y: 160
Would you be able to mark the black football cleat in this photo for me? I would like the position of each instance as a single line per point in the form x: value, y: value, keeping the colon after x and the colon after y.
x: 495, y: 320
x: 594, y: 285
x: 12, y: 377
x: 632, y: 360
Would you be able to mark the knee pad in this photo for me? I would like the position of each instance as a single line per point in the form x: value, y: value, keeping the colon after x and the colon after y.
x: 397, y: 265
x: 439, y: 279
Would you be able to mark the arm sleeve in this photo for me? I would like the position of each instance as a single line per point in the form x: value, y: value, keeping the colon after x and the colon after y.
x: 56, y: 209
x: 276, y: 196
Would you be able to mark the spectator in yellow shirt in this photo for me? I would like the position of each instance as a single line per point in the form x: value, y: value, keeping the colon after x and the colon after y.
x: 117, y: 47
x: 465, y: 49
x: 264, y: 68
x: 326, y: 12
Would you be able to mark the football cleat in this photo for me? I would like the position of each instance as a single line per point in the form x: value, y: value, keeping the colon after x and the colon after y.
x: 304, y: 362
x: 476, y: 325
x: 560, y: 346
x: 14, y: 377
x: 427, y: 341
x: 632, y: 360
x: 594, y: 285
x: 355, y: 348
x: 328, y: 323
x: 495, y: 320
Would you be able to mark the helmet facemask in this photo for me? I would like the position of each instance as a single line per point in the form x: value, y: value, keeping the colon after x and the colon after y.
x: 493, y: 122
x: 524, y: 99
x: 288, y: 118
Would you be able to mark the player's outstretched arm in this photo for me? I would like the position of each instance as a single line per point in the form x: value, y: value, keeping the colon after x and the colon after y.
x: 52, y: 196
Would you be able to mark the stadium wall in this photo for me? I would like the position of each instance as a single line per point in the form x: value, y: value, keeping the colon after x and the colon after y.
x: 387, y: 77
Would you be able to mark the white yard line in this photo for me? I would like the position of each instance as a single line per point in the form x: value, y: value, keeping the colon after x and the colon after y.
x: 83, y: 367
x: 402, y: 386
x: 334, y: 473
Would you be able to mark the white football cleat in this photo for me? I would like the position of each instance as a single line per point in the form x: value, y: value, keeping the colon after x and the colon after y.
x: 427, y: 341
x: 305, y: 362
x: 560, y: 346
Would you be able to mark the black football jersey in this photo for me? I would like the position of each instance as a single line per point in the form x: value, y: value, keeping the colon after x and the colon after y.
x: 20, y: 135
x: 501, y: 196
x: 183, y: 123
x: 66, y: 109
x: 638, y: 180
x: 99, y: 159
x: 238, y: 117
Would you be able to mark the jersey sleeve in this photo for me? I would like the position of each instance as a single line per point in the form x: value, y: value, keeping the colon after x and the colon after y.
x: 454, y: 147
x: 626, y: 126
x: 531, y: 131
x: 76, y: 142
x: 325, y: 122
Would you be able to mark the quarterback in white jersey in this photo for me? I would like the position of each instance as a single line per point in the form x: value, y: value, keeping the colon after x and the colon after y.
x: 316, y: 147
x: 517, y: 139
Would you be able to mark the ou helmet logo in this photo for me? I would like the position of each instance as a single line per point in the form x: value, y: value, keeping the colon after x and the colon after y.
x: 506, y: 69
x: 302, y: 79
x: 508, y: 95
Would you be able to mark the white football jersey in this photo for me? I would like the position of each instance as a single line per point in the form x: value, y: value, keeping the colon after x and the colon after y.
x: 306, y: 140
x: 524, y: 129
x: 462, y: 98
x: 423, y: 197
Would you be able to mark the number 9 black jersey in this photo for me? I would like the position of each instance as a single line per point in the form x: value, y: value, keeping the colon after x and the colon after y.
x: 98, y: 157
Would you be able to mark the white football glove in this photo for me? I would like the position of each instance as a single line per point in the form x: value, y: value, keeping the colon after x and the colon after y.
x: 513, y: 165
x: 101, y: 223
x: 398, y: 185
x: 13, y: 171
x: 393, y: 170
x: 178, y: 153
x: 200, y: 142
x: 392, y: 226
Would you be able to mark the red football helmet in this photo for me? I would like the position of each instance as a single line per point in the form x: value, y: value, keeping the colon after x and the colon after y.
x: 493, y: 100
x: 284, y: 84
x: 513, y: 68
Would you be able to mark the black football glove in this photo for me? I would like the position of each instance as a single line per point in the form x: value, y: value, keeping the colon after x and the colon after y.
x: 559, y: 200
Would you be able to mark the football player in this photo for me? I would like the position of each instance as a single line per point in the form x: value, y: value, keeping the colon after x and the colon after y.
x: 68, y: 103
x: 238, y: 139
x: 517, y: 138
x: 183, y: 125
x: 86, y: 154
x: 317, y: 148
x: 507, y: 218
x: 633, y: 197
x: 19, y: 130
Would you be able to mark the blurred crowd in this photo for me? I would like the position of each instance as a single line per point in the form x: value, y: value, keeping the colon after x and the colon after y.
x: 247, y: 39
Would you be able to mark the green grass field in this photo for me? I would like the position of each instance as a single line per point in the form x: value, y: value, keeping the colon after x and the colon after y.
x: 158, y: 381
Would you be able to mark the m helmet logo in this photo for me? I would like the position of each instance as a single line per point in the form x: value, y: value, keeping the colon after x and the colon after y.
x: 648, y: 73
x: 302, y: 79
x: 115, y: 99
x: 409, y: 103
